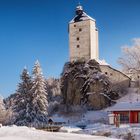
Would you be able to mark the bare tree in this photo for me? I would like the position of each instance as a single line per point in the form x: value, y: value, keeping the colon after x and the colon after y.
x: 5, y: 115
x: 130, y: 60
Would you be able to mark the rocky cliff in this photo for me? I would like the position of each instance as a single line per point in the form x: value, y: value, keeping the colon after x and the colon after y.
x: 83, y: 83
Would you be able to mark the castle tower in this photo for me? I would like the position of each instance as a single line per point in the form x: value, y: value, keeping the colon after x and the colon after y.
x: 83, y: 36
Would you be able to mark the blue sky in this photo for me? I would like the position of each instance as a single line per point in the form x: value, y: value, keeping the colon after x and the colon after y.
x: 38, y: 29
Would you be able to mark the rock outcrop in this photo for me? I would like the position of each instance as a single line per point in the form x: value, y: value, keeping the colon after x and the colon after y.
x: 83, y: 83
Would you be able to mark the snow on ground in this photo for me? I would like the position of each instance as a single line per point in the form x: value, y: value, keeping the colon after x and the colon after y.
x: 131, y: 96
x: 24, y: 133
x: 95, y: 122
x: 124, y: 132
x: 70, y: 129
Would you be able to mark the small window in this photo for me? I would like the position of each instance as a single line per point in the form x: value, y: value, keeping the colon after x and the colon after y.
x: 124, y: 118
x: 106, y: 73
x: 77, y: 39
x: 74, y: 25
x: 78, y: 46
x: 80, y: 30
x: 138, y: 76
x: 111, y: 74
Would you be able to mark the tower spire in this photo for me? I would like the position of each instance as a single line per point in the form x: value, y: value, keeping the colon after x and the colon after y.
x: 79, y: 9
x: 79, y: 4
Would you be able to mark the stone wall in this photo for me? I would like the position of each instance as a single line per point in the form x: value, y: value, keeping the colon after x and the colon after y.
x: 83, y: 83
x: 119, y: 80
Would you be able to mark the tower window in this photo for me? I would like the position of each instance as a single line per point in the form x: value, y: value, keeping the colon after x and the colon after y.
x: 78, y: 46
x: 106, y: 73
x: 80, y: 30
x: 77, y: 38
x: 74, y: 25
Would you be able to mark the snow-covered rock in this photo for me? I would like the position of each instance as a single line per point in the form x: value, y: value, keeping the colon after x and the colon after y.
x: 83, y: 83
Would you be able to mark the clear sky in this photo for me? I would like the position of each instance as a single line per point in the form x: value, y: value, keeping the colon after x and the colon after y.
x: 38, y: 29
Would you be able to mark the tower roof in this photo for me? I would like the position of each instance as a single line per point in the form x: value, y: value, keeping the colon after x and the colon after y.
x: 80, y: 15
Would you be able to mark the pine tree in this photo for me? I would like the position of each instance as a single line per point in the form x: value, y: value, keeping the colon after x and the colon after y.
x: 22, y: 100
x: 39, y: 111
x: 29, y: 103
x: 26, y: 84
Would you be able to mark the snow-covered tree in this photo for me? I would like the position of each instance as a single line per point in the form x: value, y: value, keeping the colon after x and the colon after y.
x: 53, y: 89
x: 21, y: 100
x: 130, y: 60
x: 54, y: 95
x: 26, y: 84
x: 39, y: 100
x: 2, y: 110
x: 4, y: 114
x: 29, y: 104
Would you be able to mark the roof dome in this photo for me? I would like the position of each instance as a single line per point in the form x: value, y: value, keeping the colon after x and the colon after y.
x: 80, y: 15
x: 79, y: 10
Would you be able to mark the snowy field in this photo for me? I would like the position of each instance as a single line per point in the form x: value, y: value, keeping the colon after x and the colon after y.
x: 91, y: 132
x: 125, y: 132
x: 24, y: 133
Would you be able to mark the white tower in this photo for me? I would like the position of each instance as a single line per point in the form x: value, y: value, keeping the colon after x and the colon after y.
x: 83, y: 36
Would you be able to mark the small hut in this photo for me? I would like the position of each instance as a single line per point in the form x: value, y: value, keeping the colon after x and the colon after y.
x: 124, y: 113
